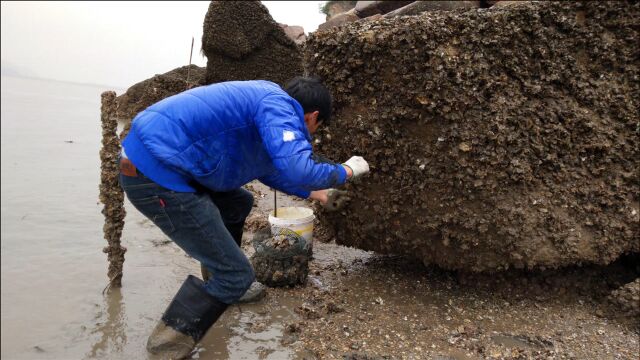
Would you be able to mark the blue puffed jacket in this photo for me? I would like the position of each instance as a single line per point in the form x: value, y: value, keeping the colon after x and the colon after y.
x: 225, y: 135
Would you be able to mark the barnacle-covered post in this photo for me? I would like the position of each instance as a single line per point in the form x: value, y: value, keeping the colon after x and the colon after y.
x: 111, y: 195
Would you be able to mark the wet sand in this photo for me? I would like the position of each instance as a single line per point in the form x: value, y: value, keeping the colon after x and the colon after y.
x: 375, y: 307
x: 359, y: 305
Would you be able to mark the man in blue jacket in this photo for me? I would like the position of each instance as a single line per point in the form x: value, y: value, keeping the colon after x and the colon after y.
x: 183, y: 164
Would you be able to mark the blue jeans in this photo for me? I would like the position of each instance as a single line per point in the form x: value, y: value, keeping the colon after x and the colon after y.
x: 199, y: 223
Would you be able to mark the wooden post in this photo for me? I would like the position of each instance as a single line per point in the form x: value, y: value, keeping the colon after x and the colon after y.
x: 111, y: 195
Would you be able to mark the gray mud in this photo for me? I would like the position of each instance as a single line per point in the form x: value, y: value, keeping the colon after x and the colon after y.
x: 363, y: 306
x: 359, y: 305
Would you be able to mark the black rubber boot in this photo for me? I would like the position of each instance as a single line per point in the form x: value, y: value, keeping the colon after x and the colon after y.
x: 189, y: 315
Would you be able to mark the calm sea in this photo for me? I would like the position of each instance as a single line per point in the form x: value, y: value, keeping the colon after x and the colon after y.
x: 53, y: 269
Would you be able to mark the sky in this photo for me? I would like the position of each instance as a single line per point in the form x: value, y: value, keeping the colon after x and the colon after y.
x: 116, y: 43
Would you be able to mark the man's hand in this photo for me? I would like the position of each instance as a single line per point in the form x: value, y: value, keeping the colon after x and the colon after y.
x: 358, y: 166
x: 320, y: 195
x: 336, y: 199
x: 331, y: 199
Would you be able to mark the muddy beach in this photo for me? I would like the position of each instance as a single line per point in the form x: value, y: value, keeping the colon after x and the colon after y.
x: 359, y: 305
x: 390, y: 307
x: 502, y: 187
x: 499, y: 220
x: 352, y: 301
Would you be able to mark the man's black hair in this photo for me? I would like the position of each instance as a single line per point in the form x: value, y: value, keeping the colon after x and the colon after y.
x: 312, y: 95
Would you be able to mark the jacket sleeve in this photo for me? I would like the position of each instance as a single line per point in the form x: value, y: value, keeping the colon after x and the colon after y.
x: 277, y: 182
x: 290, y: 151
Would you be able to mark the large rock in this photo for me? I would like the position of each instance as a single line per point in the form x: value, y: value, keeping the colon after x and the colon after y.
x: 491, y: 3
x: 498, y: 4
x: 333, y: 8
x: 295, y: 33
x: 148, y: 92
x: 242, y: 42
x: 367, y: 8
x: 340, y: 19
x: 418, y: 7
x: 497, y: 138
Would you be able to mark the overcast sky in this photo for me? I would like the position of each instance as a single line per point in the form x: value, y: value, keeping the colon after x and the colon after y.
x: 116, y: 43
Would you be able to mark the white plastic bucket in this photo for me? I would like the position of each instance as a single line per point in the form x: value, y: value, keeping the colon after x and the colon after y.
x: 297, y: 219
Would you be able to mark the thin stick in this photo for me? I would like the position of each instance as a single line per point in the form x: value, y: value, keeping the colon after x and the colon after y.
x: 190, y: 57
x: 191, y: 54
x: 275, y: 203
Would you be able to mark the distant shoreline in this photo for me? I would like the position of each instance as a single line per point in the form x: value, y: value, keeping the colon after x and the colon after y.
x: 111, y: 87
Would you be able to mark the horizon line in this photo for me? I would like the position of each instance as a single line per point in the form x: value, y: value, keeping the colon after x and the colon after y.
x: 36, y: 77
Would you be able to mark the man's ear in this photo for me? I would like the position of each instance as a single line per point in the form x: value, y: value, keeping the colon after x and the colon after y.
x: 311, y: 118
x: 315, y: 115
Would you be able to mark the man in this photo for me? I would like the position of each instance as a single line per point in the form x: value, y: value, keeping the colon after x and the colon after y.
x: 183, y: 164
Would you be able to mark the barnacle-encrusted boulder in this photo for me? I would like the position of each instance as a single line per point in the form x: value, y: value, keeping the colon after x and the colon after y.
x: 333, y: 8
x: 497, y: 138
x: 242, y: 42
x: 340, y: 19
x: 418, y: 7
x: 367, y: 8
x: 148, y: 92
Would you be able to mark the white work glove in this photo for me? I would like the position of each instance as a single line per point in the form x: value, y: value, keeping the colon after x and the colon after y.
x: 358, y: 166
x: 336, y: 200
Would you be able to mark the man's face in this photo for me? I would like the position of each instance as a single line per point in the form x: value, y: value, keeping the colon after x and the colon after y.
x: 311, y: 119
